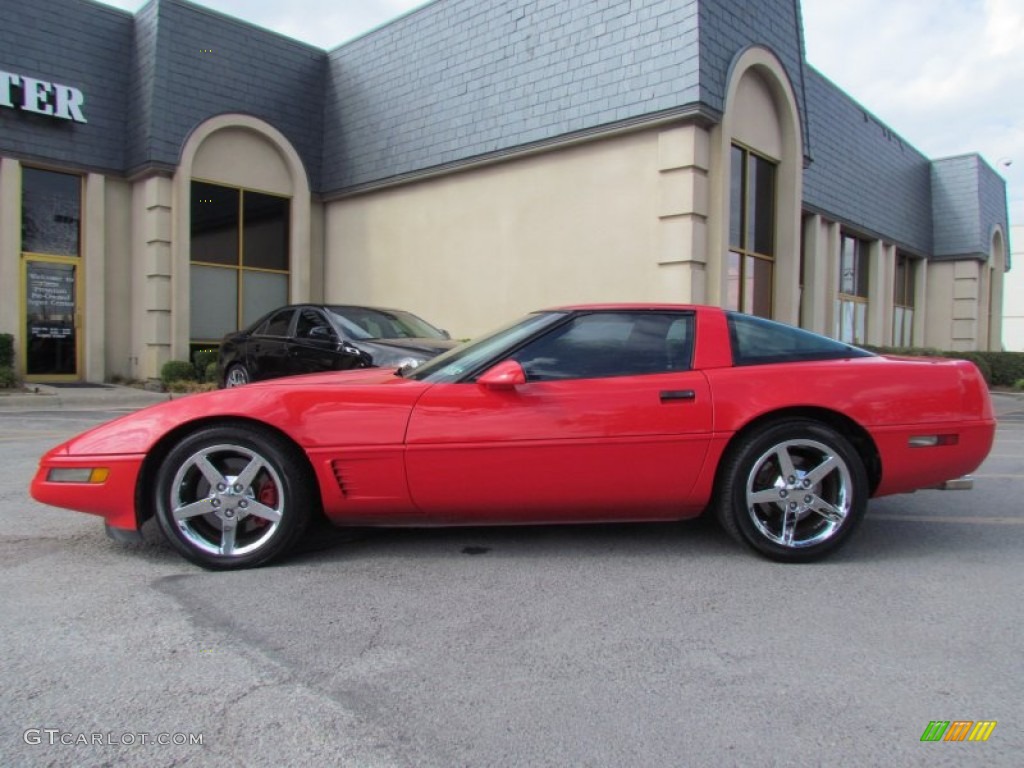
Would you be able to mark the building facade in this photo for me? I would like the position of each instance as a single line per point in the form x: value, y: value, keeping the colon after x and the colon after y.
x: 168, y: 176
x: 1013, y: 308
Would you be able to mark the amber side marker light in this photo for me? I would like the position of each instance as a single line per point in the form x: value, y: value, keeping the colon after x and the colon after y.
x: 76, y: 475
x: 930, y: 441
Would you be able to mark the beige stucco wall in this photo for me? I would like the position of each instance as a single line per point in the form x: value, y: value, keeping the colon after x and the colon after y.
x: 117, y: 316
x: 1013, y: 296
x: 953, y: 306
x: 610, y: 220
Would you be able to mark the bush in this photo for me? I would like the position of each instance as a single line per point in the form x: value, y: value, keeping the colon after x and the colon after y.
x: 203, y: 359
x: 182, y: 386
x: 1019, y: 386
x: 7, y: 378
x: 1007, y: 367
x: 177, y: 370
x: 1000, y: 369
x: 6, y: 350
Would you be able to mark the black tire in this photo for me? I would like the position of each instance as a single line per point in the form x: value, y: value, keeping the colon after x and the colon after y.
x: 794, y: 491
x: 234, y: 496
x: 237, y: 375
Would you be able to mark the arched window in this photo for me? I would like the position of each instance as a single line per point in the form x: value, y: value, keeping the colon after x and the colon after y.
x: 239, y: 256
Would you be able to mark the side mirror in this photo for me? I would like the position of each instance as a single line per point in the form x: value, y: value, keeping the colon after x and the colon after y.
x: 321, y: 333
x: 504, y: 377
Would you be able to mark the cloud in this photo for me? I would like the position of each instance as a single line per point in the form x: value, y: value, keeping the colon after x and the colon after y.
x: 944, y: 75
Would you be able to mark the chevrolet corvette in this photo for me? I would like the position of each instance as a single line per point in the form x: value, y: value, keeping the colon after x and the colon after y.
x: 577, y: 414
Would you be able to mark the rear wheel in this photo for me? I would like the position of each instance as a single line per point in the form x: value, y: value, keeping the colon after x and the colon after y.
x: 794, y: 491
x: 237, y: 376
x: 233, y: 497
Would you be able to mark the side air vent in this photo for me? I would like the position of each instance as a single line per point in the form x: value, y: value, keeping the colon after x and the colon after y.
x: 339, y: 477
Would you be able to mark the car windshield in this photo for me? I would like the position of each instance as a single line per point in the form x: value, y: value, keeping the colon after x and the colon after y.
x: 364, y: 323
x: 469, y: 358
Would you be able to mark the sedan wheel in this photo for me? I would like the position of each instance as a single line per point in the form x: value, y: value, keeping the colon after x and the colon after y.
x: 233, y: 497
x: 237, y: 376
x: 794, y: 491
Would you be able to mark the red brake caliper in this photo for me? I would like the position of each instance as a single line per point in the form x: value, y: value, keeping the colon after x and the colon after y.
x: 268, y: 497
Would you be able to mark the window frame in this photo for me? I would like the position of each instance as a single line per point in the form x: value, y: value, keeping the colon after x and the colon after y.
x: 744, y: 256
x: 903, y: 302
x: 857, y: 304
x: 238, y: 265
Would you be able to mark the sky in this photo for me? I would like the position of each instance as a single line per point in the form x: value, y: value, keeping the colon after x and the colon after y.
x: 946, y: 75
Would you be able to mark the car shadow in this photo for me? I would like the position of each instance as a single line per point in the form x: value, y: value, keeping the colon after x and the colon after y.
x: 677, y: 538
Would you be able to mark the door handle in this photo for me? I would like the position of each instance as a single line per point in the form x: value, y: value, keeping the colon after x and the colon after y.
x: 668, y: 395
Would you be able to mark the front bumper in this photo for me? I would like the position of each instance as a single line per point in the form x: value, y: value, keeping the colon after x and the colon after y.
x: 113, y: 499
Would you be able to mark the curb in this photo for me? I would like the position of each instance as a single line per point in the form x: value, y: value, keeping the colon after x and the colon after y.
x: 45, y: 397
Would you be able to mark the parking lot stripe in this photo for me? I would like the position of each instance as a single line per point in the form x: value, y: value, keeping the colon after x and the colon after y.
x: 958, y: 520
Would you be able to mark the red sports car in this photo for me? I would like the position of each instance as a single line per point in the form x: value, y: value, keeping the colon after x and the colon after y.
x: 577, y: 414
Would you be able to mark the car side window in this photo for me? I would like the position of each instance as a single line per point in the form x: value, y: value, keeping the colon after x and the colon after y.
x: 278, y: 324
x: 757, y: 341
x: 311, y: 324
x: 603, y: 344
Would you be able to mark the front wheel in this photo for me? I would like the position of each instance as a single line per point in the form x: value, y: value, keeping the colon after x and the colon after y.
x: 794, y: 491
x: 233, y: 496
x: 237, y: 376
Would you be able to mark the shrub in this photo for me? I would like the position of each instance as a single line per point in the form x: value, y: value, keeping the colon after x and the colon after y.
x: 1019, y: 385
x: 1007, y: 367
x: 6, y: 350
x: 190, y: 387
x: 202, y: 360
x: 1000, y: 369
x: 177, y: 370
x: 210, y: 375
x: 7, y: 378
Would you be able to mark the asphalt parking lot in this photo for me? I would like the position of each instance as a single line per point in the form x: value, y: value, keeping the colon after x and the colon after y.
x: 644, y: 645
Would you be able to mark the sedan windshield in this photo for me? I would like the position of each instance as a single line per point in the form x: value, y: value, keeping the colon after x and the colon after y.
x: 470, y: 358
x: 364, y: 323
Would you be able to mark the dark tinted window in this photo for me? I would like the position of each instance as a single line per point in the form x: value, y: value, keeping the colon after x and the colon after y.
x: 605, y: 344
x: 214, y: 223
x: 265, y: 232
x: 311, y: 324
x: 367, y: 323
x: 277, y: 324
x: 756, y: 341
x: 51, y: 209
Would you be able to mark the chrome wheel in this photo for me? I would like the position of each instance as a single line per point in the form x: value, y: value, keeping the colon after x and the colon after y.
x: 234, y: 495
x: 793, y: 490
x: 226, y: 500
x: 237, y: 376
x: 798, y: 493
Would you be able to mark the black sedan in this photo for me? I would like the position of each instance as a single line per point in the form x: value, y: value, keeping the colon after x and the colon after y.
x: 310, y: 338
